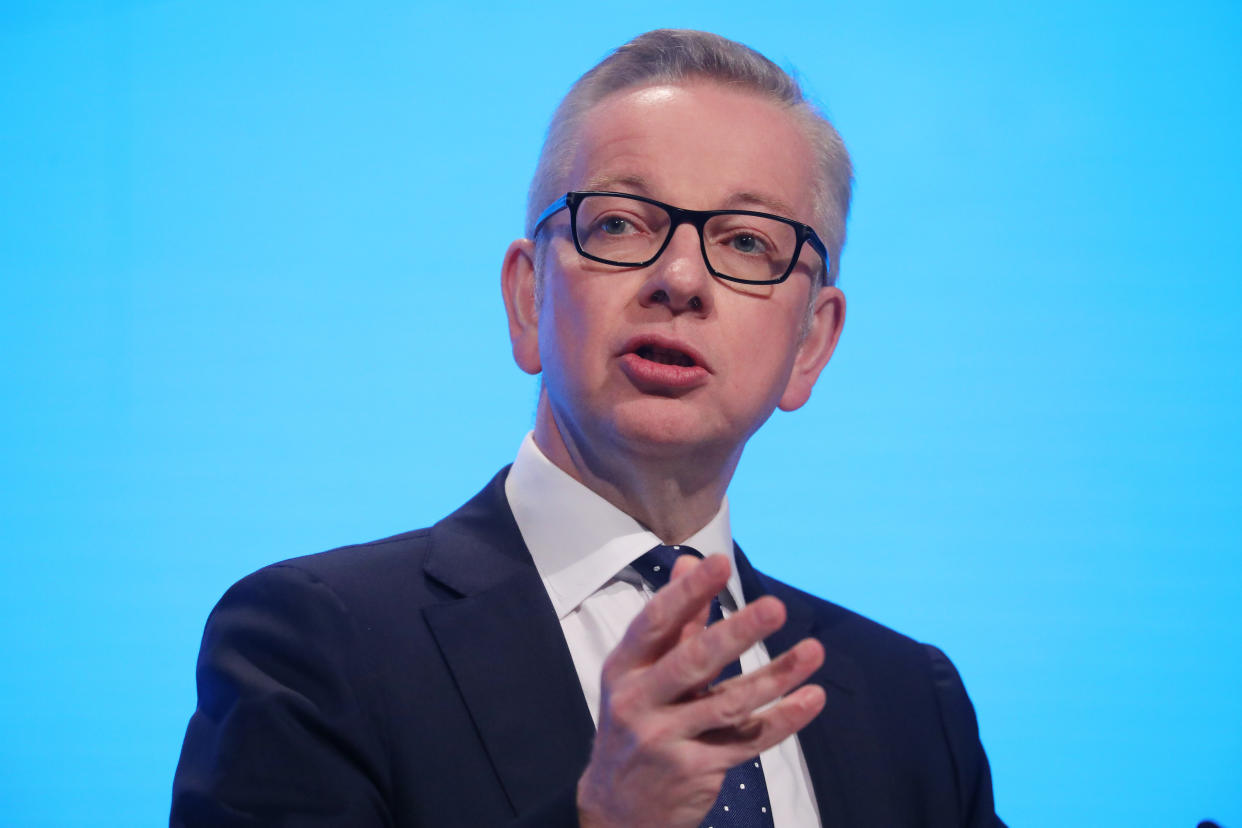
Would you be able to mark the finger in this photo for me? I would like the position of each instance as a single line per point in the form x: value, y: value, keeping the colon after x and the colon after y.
x: 733, y: 703
x: 682, y: 566
x: 656, y: 629
x: 694, y: 626
x: 764, y: 730
x: 699, y: 658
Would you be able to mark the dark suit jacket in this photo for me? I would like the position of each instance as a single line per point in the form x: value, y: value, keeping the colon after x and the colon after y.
x: 423, y: 680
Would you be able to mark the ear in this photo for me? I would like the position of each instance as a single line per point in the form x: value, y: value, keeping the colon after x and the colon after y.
x: 517, y: 283
x: 827, y: 319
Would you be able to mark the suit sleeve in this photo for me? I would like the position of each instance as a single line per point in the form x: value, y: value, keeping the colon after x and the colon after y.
x: 961, y: 732
x: 280, y: 735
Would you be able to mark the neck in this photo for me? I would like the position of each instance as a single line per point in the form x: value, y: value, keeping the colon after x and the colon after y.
x: 673, y: 492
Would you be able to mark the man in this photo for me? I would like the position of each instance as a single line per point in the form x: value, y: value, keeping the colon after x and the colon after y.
x: 522, y: 662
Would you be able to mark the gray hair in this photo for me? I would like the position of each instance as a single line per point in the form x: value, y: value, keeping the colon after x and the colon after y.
x: 676, y: 56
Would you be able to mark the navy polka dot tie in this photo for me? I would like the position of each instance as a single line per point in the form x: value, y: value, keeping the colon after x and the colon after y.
x: 743, y: 800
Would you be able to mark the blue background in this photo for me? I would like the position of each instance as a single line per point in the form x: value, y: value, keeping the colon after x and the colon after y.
x: 249, y: 309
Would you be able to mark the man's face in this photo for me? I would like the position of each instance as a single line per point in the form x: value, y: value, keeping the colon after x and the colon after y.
x: 666, y: 359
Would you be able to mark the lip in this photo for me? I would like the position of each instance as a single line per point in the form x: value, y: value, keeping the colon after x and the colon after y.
x: 657, y: 377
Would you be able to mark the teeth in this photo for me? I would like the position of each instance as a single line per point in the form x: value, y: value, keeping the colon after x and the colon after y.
x: 665, y: 356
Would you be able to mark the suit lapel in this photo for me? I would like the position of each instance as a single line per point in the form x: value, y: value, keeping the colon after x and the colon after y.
x: 504, y: 646
x: 840, y: 744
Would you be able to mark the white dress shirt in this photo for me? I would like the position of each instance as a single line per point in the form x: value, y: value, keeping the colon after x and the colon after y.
x: 583, y: 547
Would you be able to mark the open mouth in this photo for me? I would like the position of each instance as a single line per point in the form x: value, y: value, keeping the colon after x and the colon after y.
x: 664, y: 356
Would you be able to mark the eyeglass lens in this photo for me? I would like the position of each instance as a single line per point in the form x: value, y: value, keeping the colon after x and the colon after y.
x: 627, y: 231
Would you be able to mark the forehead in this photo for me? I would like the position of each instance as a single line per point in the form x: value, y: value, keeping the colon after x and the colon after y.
x: 699, y: 145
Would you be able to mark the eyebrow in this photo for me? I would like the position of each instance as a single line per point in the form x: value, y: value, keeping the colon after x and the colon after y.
x: 617, y: 182
x: 770, y: 204
x: 739, y: 200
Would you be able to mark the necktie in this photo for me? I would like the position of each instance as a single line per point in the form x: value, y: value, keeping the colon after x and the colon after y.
x: 743, y: 800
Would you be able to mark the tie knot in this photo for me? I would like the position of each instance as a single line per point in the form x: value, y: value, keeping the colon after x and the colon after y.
x: 656, y: 566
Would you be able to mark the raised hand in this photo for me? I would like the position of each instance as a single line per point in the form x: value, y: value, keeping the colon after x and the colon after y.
x: 665, y: 738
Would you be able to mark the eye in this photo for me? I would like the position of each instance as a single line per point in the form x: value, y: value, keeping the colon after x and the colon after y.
x: 748, y: 243
x: 615, y: 225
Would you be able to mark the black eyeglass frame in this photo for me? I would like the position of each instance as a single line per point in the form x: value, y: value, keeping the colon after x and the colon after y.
x: 677, y: 217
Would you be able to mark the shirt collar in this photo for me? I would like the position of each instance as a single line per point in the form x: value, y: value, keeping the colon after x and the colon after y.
x: 579, y: 541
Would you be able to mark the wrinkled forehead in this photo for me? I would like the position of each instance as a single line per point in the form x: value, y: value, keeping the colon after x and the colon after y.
x: 701, y: 145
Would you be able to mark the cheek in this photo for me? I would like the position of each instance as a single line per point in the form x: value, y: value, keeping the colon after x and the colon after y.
x: 566, y: 332
x: 565, y: 318
x: 765, y: 357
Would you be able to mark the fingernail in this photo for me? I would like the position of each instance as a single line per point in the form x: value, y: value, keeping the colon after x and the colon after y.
x: 808, y: 649
x: 769, y: 612
x: 814, y: 699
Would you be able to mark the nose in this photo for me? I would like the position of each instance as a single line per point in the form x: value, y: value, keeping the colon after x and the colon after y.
x: 680, y: 279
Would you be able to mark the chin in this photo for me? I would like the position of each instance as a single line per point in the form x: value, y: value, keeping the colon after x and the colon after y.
x: 667, y: 427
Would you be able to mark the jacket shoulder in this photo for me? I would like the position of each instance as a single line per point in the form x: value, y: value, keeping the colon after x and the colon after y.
x: 361, y: 566
x: 377, y: 576
x: 850, y: 632
x: 915, y: 694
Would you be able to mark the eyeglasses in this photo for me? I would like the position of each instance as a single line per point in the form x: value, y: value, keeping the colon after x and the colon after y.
x: 738, y: 245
